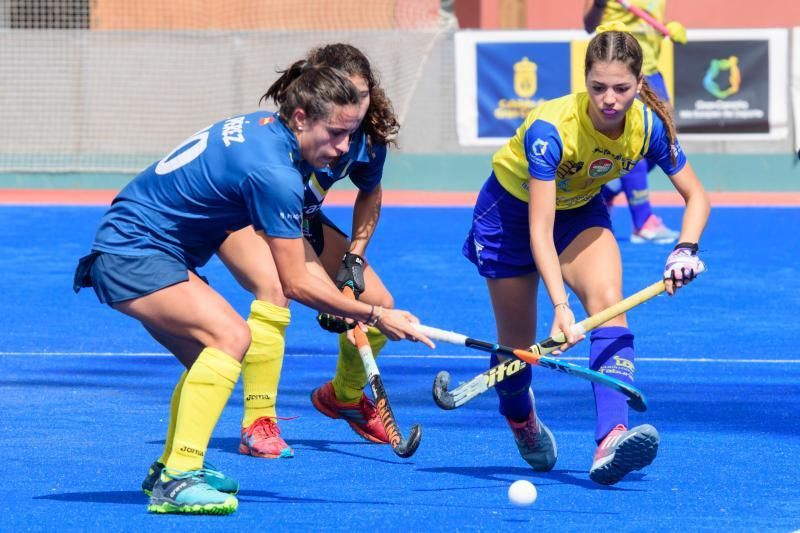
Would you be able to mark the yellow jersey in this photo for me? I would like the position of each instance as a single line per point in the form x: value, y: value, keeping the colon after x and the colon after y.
x: 558, y: 142
x: 649, y: 38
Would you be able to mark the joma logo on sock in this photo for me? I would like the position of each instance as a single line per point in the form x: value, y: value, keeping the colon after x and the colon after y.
x: 251, y: 397
x: 192, y: 451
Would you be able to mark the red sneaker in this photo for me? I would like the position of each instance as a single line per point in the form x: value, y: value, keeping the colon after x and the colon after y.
x: 263, y: 439
x: 361, y: 416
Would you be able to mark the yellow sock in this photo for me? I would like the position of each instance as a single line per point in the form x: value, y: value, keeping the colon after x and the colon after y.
x: 205, y: 392
x: 350, y: 378
x: 261, y: 367
x: 173, y: 417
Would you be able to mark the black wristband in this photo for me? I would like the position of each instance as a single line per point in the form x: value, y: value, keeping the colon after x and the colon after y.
x: 600, y: 4
x: 692, y: 246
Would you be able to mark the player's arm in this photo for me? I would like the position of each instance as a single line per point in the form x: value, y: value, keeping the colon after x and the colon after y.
x: 683, y: 263
x: 593, y: 13
x: 300, y: 285
x: 698, y: 205
x: 366, y: 212
x: 543, y: 150
x: 542, y: 214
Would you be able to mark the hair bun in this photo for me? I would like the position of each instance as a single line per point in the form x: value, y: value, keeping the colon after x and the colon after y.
x: 612, y: 26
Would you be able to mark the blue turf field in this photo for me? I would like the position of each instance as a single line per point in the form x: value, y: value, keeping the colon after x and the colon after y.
x: 84, y: 394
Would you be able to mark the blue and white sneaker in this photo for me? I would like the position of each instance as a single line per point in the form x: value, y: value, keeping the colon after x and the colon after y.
x: 189, y: 492
x: 535, y: 442
x: 622, y: 451
x: 213, y: 476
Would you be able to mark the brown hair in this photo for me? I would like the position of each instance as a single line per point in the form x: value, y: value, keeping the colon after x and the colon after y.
x: 380, y: 123
x: 621, y: 46
x: 315, y: 90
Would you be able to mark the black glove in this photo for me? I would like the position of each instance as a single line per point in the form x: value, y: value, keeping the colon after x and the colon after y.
x: 334, y: 324
x: 351, y: 273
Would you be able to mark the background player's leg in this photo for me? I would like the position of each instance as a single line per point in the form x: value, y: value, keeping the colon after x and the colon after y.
x: 344, y: 396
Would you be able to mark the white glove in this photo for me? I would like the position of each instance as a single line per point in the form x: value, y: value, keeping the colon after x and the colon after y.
x: 683, y: 265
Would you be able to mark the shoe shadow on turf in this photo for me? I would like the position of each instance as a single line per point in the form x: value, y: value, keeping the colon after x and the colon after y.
x: 346, y: 448
x: 125, y: 497
x: 231, y: 445
x: 578, y: 478
x: 135, y: 497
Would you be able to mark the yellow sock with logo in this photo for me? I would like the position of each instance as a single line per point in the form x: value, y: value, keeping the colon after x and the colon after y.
x: 350, y: 378
x: 173, y: 418
x: 261, y: 367
x: 205, y: 392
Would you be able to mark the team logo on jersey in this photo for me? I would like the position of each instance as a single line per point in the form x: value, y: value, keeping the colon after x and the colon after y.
x: 600, y: 167
x: 266, y: 120
x: 538, y: 148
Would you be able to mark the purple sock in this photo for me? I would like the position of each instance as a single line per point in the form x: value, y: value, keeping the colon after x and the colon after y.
x: 611, y: 353
x: 634, y: 183
x: 515, y: 402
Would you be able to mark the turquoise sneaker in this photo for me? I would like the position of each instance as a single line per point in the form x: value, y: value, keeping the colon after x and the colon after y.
x: 535, y: 442
x: 622, y: 451
x: 190, y: 493
x: 213, y: 476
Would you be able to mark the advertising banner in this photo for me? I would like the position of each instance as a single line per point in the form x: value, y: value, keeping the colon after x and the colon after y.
x: 725, y: 84
x: 729, y: 84
x: 501, y: 76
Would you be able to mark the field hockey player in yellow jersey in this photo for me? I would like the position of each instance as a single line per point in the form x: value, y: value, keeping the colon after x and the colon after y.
x: 540, y: 216
x: 647, y: 227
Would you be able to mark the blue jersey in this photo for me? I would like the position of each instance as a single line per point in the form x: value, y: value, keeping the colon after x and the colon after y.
x: 240, y: 171
x: 363, y: 165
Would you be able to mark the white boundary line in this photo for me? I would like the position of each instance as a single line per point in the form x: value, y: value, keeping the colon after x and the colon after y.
x: 451, y: 357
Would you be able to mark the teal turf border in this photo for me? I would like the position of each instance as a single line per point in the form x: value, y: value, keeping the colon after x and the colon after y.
x: 458, y: 172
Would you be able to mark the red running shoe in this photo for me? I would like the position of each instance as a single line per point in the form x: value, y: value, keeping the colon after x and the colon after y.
x: 263, y: 439
x: 361, y: 416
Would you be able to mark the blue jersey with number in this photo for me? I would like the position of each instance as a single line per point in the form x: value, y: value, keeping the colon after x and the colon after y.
x: 362, y: 163
x: 240, y: 171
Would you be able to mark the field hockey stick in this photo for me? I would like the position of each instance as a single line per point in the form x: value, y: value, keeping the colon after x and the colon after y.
x: 535, y: 355
x: 400, y: 446
x: 645, y: 16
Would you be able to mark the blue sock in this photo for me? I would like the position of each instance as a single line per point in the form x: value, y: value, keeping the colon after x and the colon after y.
x: 610, y: 190
x: 611, y: 353
x: 634, y: 183
x: 515, y: 402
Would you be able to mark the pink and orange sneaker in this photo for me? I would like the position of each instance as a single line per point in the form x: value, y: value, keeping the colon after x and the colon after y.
x: 263, y: 438
x: 654, y: 230
x: 362, y: 416
x: 622, y: 451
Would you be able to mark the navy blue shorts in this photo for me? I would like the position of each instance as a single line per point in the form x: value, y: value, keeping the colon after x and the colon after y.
x: 499, y: 240
x: 116, y: 278
x: 312, y: 230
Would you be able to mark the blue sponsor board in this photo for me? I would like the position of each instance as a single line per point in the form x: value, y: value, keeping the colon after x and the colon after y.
x: 513, y: 78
